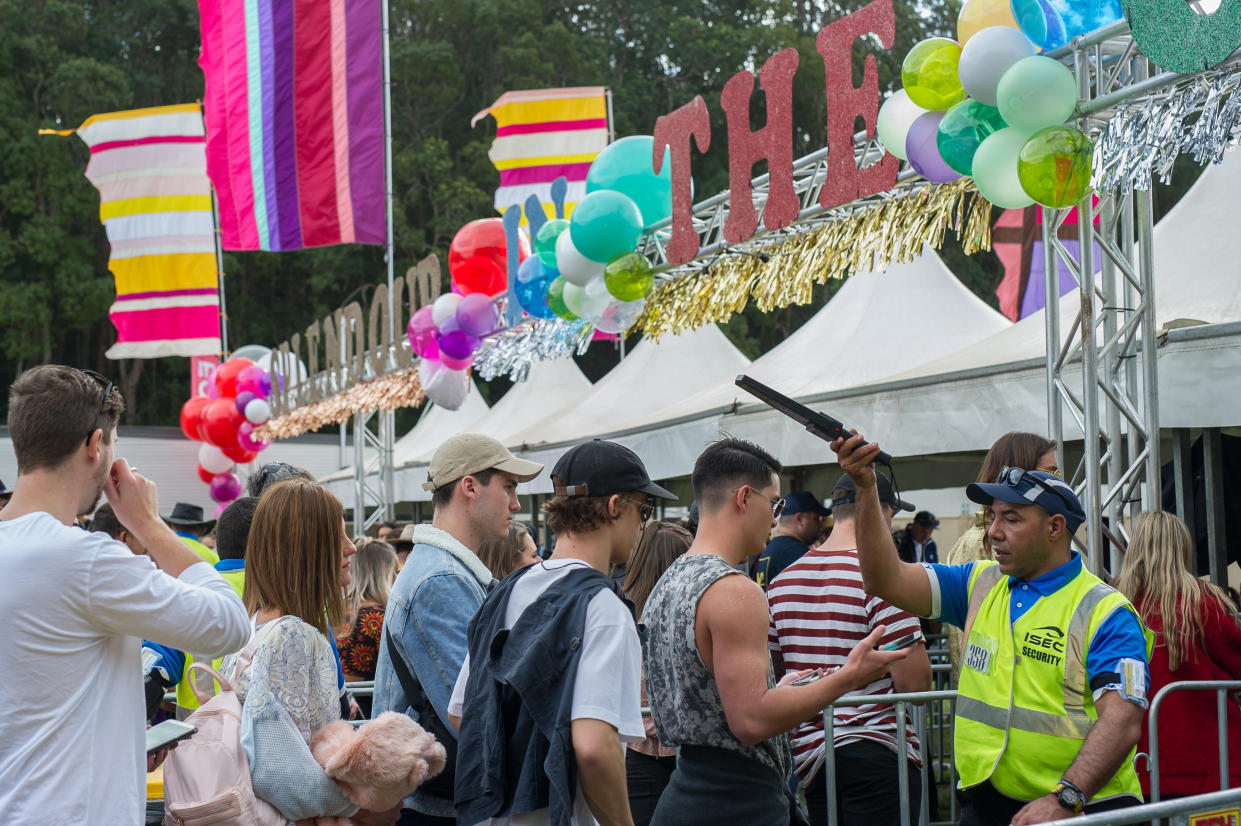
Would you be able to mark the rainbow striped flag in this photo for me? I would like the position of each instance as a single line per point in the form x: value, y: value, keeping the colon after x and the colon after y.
x: 543, y: 134
x: 149, y: 166
x: 294, y: 112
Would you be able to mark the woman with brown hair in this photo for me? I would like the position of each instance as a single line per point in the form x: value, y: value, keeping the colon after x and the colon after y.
x: 297, y: 562
x: 648, y: 764
x: 515, y: 550
x: 1197, y: 637
x: 1028, y: 451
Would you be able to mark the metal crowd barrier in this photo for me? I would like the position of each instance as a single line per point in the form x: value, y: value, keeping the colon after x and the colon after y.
x: 1221, y: 689
x: 359, y: 689
x: 1223, y: 804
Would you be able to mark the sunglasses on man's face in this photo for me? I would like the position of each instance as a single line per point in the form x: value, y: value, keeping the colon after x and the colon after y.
x: 777, y: 504
x: 645, y: 509
x: 106, y: 384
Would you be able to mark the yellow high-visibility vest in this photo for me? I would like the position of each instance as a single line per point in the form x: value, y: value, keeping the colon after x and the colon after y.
x: 1024, y: 706
x: 185, y: 691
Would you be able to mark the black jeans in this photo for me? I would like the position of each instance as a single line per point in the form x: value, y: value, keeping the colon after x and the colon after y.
x: 866, y: 787
x: 983, y: 805
x: 647, y: 776
x: 409, y: 817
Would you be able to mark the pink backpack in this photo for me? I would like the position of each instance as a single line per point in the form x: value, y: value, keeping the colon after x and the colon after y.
x: 207, y: 777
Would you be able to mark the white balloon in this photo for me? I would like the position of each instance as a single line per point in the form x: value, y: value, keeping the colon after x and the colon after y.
x: 573, y: 298
x: 254, y: 352
x: 443, y: 386
x: 987, y: 56
x: 258, y: 411
x: 213, y: 459
x: 896, y: 115
x: 576, y: 268
x: 620, y: 316
x: 444, y: 308
x: 595, y: 299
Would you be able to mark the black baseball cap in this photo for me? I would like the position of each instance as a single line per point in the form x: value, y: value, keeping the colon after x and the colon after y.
x: 801, y: 501
x: 926, y: 518
x: 599, y: 468
x: 845, y: 493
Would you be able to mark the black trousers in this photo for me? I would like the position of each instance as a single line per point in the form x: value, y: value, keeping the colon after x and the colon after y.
x: 647, y: 777
x: 983, y: 805
x: 866, y: 787
x: 409, y: 817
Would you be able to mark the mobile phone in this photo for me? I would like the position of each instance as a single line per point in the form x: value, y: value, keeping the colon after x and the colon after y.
x: 817, y: 674
x: 903, y: 642
x: 167, y: 733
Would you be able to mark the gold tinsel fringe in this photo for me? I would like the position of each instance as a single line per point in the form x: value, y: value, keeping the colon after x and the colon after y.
x: 384, y: 393
x: 870, y: 239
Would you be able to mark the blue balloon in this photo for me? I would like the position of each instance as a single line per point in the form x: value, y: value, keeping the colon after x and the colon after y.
x: 1052, y: 23
x: 605, y: 224
x: 533, y: 279
x: 625, y: 166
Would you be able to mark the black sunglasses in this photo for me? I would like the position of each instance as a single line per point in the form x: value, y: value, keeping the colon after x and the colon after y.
x: 645, y: 509
x: 104, y: 382
x: 1012, y: 477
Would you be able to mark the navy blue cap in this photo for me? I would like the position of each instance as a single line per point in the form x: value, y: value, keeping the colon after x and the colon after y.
x: 1031, y: 487
x: 801, y: 501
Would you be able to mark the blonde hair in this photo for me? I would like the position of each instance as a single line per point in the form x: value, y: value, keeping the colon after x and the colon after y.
x: 374, y: 569
x: 293, y: 555
x: 1155, y: 577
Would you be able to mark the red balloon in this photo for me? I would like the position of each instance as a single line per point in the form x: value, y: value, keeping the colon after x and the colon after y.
x: 220, y: 422
x: 191, y: 412
x: 226, y: 376
x: 478, y: 258
x: 205, y: 474
x: 240, y: 455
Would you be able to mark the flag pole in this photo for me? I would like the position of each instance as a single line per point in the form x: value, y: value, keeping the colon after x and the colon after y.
x: 219, y: 254
x: 607, y: 91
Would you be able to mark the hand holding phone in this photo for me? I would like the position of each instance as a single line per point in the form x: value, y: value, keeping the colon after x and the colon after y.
x: 903, y: 642
x: 167, y: 733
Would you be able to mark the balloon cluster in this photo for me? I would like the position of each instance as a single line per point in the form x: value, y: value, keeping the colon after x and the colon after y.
x: 586, y: 267
x: 989, y: 107
x: 224, y: 421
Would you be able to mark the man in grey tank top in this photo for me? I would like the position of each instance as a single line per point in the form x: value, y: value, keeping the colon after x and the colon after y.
x: 708, y: 672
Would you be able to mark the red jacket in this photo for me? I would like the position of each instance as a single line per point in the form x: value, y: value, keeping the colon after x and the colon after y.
x: 1188, y: 720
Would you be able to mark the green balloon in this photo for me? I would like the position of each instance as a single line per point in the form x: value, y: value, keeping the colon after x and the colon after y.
x: 929, y: 73
x: 962, y: 129
x: 555, y: 299
x: 995, y: 169
x: 1054, y: 166
x: 545, y: 240
x: 1036, y: 92
x: 629, y: 277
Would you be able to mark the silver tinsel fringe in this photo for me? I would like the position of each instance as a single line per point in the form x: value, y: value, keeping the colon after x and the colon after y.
x: 513, y: 351
x: 1141, y: 141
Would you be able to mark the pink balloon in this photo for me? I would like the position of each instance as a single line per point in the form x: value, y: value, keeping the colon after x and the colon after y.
x: 244, y: 398
x: 421, y: 333
x: 213, y: 392
x: 247, y: 439
x: 254, y: 380
x: 456, y: 364
x: 225, y: 487
x: 477, y: 315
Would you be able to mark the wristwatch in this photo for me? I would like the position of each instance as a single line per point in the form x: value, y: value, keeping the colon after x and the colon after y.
x: 1069, y: 796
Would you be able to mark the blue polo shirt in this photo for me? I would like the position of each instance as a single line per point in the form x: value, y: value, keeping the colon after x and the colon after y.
x: 1119, y: 637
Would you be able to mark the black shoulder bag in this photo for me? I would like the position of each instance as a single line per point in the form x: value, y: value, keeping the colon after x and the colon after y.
x: 442, y: 784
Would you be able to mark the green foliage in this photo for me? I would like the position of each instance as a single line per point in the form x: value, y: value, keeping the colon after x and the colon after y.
x: 65, y: 60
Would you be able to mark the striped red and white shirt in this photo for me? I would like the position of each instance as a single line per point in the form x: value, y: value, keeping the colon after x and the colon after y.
x: 819, y: 612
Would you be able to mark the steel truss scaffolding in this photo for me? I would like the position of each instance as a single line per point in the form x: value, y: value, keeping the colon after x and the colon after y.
x: 373, y: 485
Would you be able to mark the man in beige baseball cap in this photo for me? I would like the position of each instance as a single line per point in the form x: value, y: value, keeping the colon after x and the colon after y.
x: 473, y: 482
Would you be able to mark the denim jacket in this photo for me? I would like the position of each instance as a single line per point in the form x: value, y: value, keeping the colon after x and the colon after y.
x: 429, y: 609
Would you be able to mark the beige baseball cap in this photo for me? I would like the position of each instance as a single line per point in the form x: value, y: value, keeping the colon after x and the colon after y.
x: 469, y: 453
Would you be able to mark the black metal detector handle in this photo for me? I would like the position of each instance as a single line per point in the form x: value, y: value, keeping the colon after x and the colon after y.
x: 816, y: 423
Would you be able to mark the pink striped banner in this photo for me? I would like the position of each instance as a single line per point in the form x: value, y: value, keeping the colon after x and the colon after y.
x: 551, y: 126
x: 543, y: 174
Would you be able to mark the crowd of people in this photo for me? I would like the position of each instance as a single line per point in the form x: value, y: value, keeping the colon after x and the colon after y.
x: 633, y: 672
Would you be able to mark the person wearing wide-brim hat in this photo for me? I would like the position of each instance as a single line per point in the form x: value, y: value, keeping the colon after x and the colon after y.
x: 5, y: 493
x: 190, y: 523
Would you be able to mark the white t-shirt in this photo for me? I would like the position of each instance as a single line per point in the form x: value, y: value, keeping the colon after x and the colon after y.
x: 75, y: 607
x: 608, y: 685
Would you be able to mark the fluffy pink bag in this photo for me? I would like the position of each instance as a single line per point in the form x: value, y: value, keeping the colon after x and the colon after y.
x: 378, y: 764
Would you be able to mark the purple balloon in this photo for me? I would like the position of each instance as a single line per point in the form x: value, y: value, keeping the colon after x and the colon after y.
x: 421, y: 334
x: 456, y: 344
x: 477, y: 315
x: 225, y: 487
x: 244, y: 398
x: 253, y: 380
x: 923, y: 150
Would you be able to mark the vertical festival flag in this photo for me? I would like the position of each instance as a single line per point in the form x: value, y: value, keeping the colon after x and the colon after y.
x: 294, y: 111
x: 155, y: 204
x: 543, y: 134
x: 1017, y: 239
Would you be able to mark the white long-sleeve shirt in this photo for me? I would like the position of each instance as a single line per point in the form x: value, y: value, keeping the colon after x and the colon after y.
x: 74, y: 608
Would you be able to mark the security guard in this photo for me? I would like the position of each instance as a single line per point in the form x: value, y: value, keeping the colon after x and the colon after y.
x: 1053, y: 687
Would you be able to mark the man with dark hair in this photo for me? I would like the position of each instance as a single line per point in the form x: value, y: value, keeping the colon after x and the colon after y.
x: 75, y: 604
x: 272, y: 473
x: 386, y: 530
x: 916, y: 544
x: 797, y: 529
x: 551, y: 688
x: 105, y: 520
x: 473, y: 483
x: 708, y: 673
